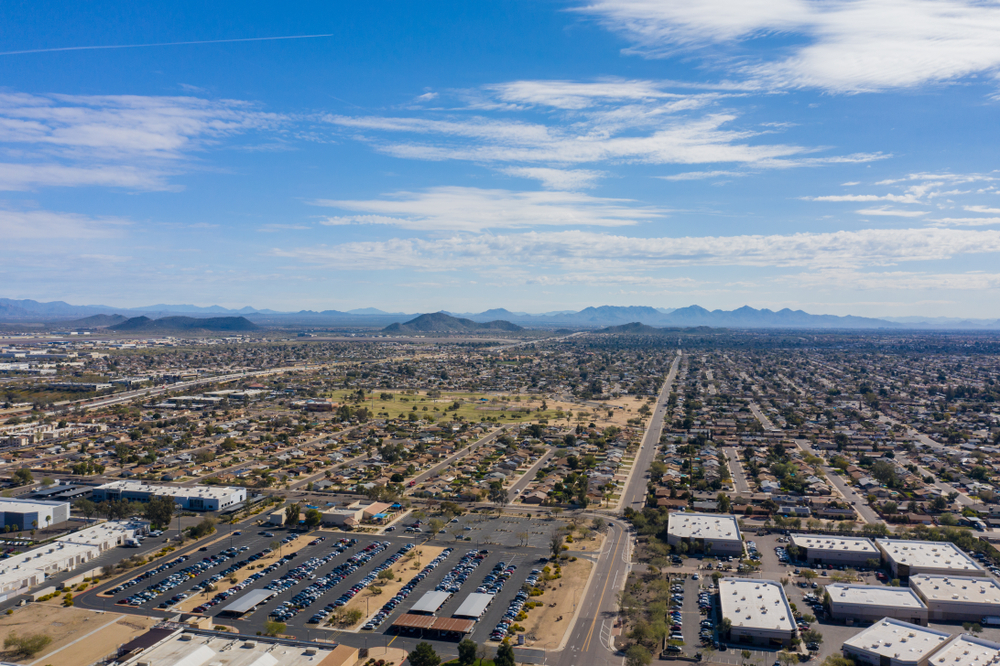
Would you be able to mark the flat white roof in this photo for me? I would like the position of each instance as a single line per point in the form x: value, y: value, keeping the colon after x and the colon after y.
x: 187, y: 649
x: 957, y: 589
x: 875, y: 596
x: 430, y: 602
x: 928, y: 554
x: 895, y: 639
x: 213, y: 492
x: 965, y: 650
x: 249, y: 601
x: 23, y: 505
x: 474, y: 605
x: 757, y: 604
x: 836, y: 544
x: 85, y: 544
x: 704, y: 526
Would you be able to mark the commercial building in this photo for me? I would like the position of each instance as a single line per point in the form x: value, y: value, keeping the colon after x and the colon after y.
x: 343, y: 517
x: 190, y: 648
x: 870, y: 603
x: 965, y: 650
x: 907, y: 558
x: 718, y: 531
x: 198, y: 498
x: 20, y: 573
x: 758, y: 610
x: 28, y: 514
x: 891, y: 642
x: 847, y: 551
x: 958, y: 598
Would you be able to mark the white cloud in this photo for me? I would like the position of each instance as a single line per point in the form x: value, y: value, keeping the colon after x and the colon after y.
x: 123, y: 141
x: 579, y: 95
x: 843, y: 46
x: 894, y: 280
x: 965, y: 221
x: 54, y: 226
x: 676, y: 141
x: 904, y: 198
x: 595, y: 251
x: 558, y: 179
x: 700, y: 175
x: 474, y: 209
x: 890, y: 212
x: 982, y: 209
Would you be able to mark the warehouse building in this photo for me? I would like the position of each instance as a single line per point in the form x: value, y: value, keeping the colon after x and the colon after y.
x: 907, y: 558
x: 871, y: 603
x: 188, y: 648
x: 28, y: 514
x: 847, y: 551
x: 758, y: 610
x: 20, y: 573
x: 719, y: 532
x: 965, y: 650
x: 197, y: 498
x: 891, y: 642
x: 958, y: 598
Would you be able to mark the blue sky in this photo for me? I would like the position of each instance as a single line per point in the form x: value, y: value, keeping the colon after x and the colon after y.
x: 838, y: 157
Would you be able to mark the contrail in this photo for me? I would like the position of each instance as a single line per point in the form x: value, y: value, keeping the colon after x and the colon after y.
x: 137, y: 46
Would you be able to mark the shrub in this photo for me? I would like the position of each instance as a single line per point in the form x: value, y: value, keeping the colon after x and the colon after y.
x: 28, y: 644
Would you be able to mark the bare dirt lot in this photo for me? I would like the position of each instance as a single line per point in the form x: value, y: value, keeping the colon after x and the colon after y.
x: 543, y: 623
x: 79, y: 637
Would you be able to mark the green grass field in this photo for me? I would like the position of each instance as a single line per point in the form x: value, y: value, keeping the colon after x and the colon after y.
x: 471, y: 406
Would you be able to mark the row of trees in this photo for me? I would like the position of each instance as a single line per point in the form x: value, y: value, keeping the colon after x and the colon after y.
x: 469, y: 653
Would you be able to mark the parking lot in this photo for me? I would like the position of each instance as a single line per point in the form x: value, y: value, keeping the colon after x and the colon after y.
x: 508, y: 531
x: 324, y: 564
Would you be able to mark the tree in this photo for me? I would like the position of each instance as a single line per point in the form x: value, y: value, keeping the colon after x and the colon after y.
x: 292, y: 514
x: 28, y: 644
x: 274, y: 628
x: 788, y: 658
x: 948, y: 519
x: 724, y: 503
x: 313, y: 518
x: 159, y: 510
x: 424, y: 655
x: 386, y: 574
x: 837, y: 660
x: 504, y: 655
x: 725, y: 626
x: 23, y: 476
x: 86, y: 508
x: 637, y: 655
x: 809, y: 574
x: 555, y: 545
x: 812, y: 636
x: 467, y: 652
x: 497, y: 494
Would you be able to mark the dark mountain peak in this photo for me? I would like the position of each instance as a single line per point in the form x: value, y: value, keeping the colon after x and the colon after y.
x: 144, y: 324
x: 439, y: 322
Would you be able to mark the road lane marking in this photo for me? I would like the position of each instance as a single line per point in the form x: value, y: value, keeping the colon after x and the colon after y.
x: 590, y: 633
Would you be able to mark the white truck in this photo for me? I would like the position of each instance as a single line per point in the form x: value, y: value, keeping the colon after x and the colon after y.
x: 992, y: 621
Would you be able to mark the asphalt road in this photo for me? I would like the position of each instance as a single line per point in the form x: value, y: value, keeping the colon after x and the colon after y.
x: 635, y: 490
x: 736, y: 469
x: 850, y: 495
x: 764, y: 421
x: 433, y: 471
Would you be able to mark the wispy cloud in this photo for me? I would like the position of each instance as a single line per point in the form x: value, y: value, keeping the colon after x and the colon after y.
x: 121, y: 141
x: 597, y: 251
x: 885, y: 211
x: 474, y: 209
x: 54, y: 226
x: 558, y: 179
x: 701, y: 175
x: 860, y: 45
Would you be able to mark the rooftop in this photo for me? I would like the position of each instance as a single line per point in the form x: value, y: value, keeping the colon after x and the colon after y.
x: 839, y: 544
x: 197, y: 650
x: 957, y: 589
x: 20, y: 505
x: 213, y: 492
x: 875, y: 595
x: 964, y: 650
x: 758, y: 604
x: 928, y: 554
x: 895, y: 639
x: 704, y: 526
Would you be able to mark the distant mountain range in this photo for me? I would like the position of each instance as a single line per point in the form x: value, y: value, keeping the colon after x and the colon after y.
x: 65, y: 314
x: 440, y: 322
x: 185, y: 324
